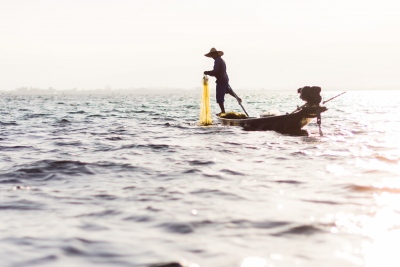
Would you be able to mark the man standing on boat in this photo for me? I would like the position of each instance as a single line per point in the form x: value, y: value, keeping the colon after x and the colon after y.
x: 219, y: 72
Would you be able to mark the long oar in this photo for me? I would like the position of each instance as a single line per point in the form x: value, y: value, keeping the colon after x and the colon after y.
x: 237, y: 98
x: 333, y: 97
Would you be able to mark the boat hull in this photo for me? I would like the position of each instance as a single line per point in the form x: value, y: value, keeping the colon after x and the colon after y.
x: 288, y: 123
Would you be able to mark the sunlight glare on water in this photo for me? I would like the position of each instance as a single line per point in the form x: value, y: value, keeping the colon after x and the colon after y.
x: 381, y: 226
x: 254, y: 262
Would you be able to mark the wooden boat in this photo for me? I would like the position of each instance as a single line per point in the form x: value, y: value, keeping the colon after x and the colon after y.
x: 287, y: 124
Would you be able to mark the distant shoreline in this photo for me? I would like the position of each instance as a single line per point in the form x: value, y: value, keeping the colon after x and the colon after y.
x: 146, y: 91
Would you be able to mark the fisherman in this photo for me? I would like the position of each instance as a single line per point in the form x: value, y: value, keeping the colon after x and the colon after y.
x: 219, y: 72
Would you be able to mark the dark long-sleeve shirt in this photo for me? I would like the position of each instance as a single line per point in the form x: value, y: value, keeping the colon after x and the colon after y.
x: 219, y: 71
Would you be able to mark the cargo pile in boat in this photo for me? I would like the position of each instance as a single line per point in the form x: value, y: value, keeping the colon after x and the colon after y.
x: 233, y: 115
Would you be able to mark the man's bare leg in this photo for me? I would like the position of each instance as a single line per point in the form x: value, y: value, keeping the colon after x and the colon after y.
x: 221, y: 105
x: 232, y: 93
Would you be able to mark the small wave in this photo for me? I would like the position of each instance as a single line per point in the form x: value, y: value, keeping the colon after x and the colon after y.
x: 179, y: 228
x: 375, y: 189
x: 216, y: 176
x: 105, y: 197
x: 154, y: 146
x: 200, y: 162
x: 329, y: 202
x: 32, y: 116
x: 180, y: 126
x: 10, y: 181
x: 52, y: 169
x: 191, y: 171
x: 77, y: 112
x: 299, y: 153
x: 11, y: 123
x: 101, y: 214
x: 96, y: 116
x: 387, y: 159
x: 299, y: 230
x: 93, y: 227
x: 215, y: 192
x: 233, y: 143
x: 232, y: 172
x: 40, y: 261
x: 258, y: 225
x: 62, y: 121
x: 13, y: 148
x: 130, y: 188
x: 70, y: 250
x: 130, y: 146
x: 118, y: 131
x: 88, y: 248
x: 151, y: 208
x: 288, y: 182
x: 71, y: 143
x: 171, y: 264
x: 138, y: 218
x: 20, y: 205
x: 42, y: 169
x: 115, y: 138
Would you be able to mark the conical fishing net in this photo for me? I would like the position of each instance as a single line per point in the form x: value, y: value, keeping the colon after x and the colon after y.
x: 205, y: 109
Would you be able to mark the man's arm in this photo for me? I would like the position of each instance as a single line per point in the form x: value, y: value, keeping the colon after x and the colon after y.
x: 215, y: 71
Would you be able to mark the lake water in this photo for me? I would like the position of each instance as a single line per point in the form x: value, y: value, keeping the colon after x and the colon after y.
x: 132, y: 180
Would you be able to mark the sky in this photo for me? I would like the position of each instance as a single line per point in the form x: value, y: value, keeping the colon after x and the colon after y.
x: 281, y: 44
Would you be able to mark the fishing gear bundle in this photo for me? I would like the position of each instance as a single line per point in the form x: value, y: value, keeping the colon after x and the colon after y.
x: 205, y: 108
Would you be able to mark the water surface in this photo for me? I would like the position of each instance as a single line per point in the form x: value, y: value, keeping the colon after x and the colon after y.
x: 132, y: 180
